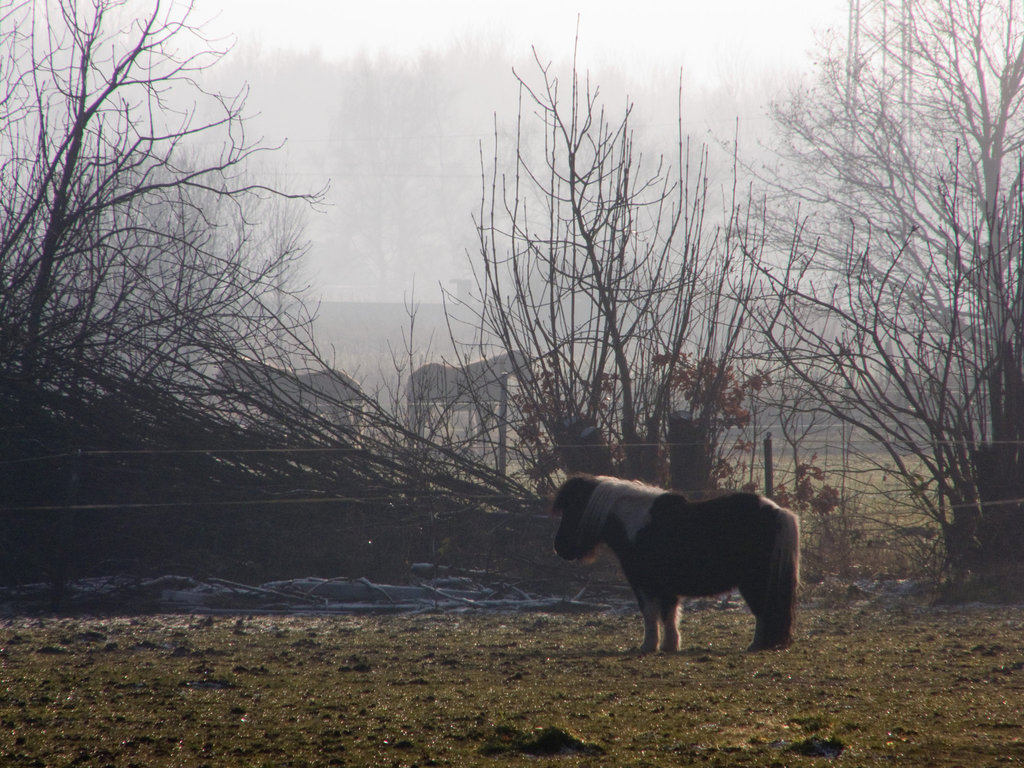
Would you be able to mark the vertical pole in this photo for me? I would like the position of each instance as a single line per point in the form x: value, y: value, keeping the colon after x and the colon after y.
x: 769, y: 470
x: 503, y: 425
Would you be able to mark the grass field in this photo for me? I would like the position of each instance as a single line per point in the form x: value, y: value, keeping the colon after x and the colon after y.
x: 861, y: 686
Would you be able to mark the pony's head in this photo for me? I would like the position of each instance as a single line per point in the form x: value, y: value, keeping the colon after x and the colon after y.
x: 576, y: 538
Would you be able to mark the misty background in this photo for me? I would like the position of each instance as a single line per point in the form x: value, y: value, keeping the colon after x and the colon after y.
x: 396, y: 113
x: 678, y: 230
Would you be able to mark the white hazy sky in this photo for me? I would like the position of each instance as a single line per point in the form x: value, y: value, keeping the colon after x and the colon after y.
x: 713, y: 42
x: 704, y: 37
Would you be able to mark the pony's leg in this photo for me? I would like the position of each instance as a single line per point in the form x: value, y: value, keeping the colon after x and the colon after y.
x: 650, y: 607
x: 670, y: 620
x: 756, y: 601
x: 760, y: 641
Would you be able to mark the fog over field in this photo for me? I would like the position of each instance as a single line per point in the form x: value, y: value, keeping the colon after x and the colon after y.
x: 396, y: 107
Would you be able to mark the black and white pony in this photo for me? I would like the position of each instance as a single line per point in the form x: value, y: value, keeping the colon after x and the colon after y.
x: 669, y: 547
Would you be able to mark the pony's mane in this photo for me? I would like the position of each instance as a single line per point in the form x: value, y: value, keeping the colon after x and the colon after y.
x: 609, y: 492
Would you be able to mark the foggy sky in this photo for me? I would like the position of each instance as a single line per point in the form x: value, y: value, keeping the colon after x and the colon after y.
x: 395, y: 110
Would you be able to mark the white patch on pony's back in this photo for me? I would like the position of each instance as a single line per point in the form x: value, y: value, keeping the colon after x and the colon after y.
x: 630, y: 501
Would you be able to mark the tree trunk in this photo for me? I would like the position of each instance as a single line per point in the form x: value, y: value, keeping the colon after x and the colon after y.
x: 992, y: 553
x: 583, y: 450
x: 689, y: 460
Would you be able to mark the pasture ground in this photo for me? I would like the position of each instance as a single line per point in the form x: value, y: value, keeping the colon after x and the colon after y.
x: 861, y: 686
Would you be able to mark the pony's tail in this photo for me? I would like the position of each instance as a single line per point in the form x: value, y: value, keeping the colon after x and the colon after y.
x: 783, y: 579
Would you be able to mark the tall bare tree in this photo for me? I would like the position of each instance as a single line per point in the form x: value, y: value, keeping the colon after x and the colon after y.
x: 118, y: 219
x: 904, y: 289
x: 939, y: 390
x: 874, y: 138
x: 603, y: 268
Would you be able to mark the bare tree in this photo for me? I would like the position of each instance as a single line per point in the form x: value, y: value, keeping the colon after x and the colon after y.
x: 940, y: 393
x: 603, y: 269
x: 872, y: 142
x: 115, y: 224
x: 903, y: 291
x: 154, y: 351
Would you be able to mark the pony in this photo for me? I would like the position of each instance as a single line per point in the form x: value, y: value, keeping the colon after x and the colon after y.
x: 470, y: 400
x: 476, y: 383
x: 326, y: 392
x: 669, y: 547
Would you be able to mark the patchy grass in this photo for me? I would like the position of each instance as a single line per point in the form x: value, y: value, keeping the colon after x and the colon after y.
x: 859, y: 687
